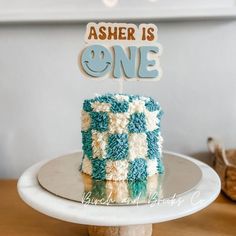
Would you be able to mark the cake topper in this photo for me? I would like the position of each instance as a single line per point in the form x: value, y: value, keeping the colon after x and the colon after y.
x: 121, y: 51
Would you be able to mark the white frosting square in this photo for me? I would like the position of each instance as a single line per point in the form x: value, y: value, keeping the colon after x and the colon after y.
x: 121, y: 98
x: 151, y: 167
x: 151, y: 120
x: 86, y: 120
x: 101, y: 106
x: 137, y: 146
x: 99, y: 143
x: 118, y: 123
x: 136, y: 106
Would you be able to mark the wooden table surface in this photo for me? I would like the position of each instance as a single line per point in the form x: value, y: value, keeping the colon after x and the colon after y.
x: 17, y: 218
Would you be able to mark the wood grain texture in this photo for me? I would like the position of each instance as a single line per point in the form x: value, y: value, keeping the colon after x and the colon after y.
x: 16, y: 219
x: 131, y: 230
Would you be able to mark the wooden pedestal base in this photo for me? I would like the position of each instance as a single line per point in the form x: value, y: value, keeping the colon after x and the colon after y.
x: 130, y: 230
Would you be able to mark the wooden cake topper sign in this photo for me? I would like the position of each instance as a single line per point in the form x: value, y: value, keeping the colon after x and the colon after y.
x: 121, y: 51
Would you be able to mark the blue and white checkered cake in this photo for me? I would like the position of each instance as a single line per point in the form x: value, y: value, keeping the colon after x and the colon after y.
x: 121, y: 137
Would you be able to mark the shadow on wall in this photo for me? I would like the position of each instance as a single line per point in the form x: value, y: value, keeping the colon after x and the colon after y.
x: 205, y: 157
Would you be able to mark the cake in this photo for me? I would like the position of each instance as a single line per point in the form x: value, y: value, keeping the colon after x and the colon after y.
x: 121, y: 138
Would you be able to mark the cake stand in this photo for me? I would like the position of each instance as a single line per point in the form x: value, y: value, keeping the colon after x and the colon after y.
x: 120, y: 220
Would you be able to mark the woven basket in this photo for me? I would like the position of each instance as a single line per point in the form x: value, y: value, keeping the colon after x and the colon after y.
x: 224, y: 164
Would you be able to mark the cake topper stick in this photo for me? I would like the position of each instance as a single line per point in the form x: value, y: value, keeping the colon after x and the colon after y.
x: 121, y: 85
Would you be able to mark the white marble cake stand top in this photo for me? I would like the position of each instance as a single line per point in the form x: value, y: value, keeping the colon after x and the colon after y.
x: 43, y: 201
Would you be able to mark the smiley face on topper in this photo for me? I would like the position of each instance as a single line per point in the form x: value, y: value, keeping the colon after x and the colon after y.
x: 96, y: 60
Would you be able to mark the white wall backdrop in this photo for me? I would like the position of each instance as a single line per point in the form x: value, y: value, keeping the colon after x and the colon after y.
x: 41, y: 89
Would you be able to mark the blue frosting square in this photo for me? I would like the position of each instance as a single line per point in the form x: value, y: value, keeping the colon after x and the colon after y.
x: 137, y: 123
x: 99, y: 121
x: 151, y: 105
x: 118, y: 146
x: 137, y: 169
x: 87, y: 143
x: 133, y: 97
x: 107, y: 98
x: 119, y: 107
x: 160, y: 114
x: 152, y: 141
x: 87, y: 105
x: 99, y: 169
